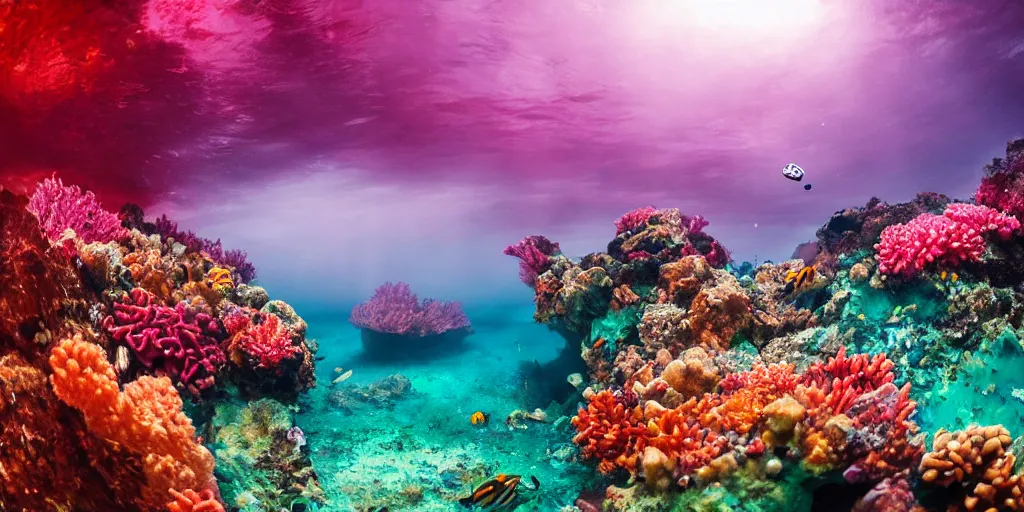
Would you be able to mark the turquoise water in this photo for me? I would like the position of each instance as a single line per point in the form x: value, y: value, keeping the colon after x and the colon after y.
x: 356, y: 453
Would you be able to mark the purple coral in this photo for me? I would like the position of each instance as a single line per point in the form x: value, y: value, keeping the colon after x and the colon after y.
x: 236, y: 259
x: 179, y: 342
x: 59, y: 208
x: 394, y: 309
x: 535, y: 256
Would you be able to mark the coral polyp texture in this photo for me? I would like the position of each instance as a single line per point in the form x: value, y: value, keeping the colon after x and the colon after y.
x: 395, y: 323
x: 109, y: 333
x: 879, y: 372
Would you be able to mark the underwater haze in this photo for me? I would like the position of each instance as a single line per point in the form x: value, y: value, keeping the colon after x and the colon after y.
x: 575, y: 255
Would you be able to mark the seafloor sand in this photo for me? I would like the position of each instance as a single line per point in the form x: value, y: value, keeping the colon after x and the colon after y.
x: 424, y: 454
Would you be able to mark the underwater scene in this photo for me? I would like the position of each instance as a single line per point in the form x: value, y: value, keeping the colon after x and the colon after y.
x: 532, y: 256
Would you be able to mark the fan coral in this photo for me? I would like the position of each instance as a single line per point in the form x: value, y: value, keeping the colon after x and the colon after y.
x: 59, y: 208
x: 145, y: 417
x: 535, y: 256
x: 948, y: 239
x: 181, y: 342
x: 394, y: 309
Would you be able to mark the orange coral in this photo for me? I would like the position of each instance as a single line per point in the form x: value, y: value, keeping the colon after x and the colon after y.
x: 718, y: 312
x: 746, y: 394
x: 977, y: 461
x: 682, y: 435
x: 682, y: 279
x: 623, y: 296
x: 149, y: 272
x: 610, y: 432
x: 192, y: 501
x: 693, y: 374
x: 145, y: 417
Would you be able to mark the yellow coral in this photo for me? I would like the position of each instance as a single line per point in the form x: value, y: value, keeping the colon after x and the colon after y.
x: 145, y: 418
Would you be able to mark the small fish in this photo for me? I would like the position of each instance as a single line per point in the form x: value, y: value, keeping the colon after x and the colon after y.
x: 342, y: 378
x: 479, y: 418
x: 943, y: 275
x: 598, y: 344
x: 953, y: 277
x: 497, y: 493
x: 797, y: 281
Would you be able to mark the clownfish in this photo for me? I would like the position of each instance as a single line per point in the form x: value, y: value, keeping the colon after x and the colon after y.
x: 497, y: 493
x: 798, y: 281
x: 479, y: 418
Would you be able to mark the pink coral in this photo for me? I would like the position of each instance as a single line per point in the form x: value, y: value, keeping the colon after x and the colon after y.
x: 948, y: 239
x: 394, y: 309
x: 634, y: 219
x: 180, y: 342
x: 534, y: 253
x: 60, y: 208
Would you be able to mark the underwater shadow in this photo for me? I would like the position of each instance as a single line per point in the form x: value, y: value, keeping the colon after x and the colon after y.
x: 381, y: 348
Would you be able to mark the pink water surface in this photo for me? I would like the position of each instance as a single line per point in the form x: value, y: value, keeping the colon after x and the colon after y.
x: 344, y: 143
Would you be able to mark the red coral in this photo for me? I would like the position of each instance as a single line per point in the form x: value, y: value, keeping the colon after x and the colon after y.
x: 835, y: 384
x: 36, y: 286
x: 180, y: 342
x: 192, y: 501
x: 267, y: 342
x: 634, y: 219
x: 610, y: 432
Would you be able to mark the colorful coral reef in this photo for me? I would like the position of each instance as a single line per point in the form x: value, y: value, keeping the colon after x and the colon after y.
x: 108, y: 334
x: 713, y: 387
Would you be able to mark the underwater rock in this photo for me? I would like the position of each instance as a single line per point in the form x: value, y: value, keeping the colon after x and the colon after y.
x: 251, y: 296
x: 383, y: 393
x: 262, y: 457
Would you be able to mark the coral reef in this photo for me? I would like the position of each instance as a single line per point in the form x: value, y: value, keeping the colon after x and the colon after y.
x: 108, y: 336
x: 810, y: 383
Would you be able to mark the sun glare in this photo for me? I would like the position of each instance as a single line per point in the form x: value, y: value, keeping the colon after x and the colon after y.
x: 740, y: 19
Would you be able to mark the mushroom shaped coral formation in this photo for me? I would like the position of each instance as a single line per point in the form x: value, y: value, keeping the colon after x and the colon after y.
x: 146, y: 418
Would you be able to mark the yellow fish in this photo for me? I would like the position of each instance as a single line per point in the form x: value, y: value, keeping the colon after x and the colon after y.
x: 797, y: 281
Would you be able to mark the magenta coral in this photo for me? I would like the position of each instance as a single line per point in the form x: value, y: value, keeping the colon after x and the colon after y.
x: 1003, y: 186
x: 269, y: 342
x: 948, y: 239
x: 534, y: 253
x: 394, y: 309
x: 236, y: 259
x: 179, y: 342
x: 59, y: 208
x: 634, y: 219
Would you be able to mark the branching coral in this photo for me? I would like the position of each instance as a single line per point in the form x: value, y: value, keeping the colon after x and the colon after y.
x: 263, y: 344
x: 610, y: 432
x: 59, y: 208
x: 1003, y: 186
x: 145, y: 417
x: 234, y: 259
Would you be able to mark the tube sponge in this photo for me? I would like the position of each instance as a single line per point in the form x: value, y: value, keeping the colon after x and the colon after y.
x: 145, y: 418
